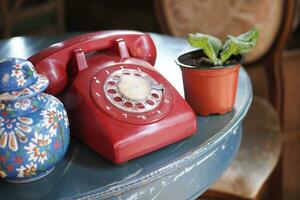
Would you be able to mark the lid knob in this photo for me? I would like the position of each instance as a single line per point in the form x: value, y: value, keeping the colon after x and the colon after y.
x: 19, y: 79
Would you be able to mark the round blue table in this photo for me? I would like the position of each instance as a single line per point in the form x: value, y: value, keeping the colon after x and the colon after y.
x: 183, y: 170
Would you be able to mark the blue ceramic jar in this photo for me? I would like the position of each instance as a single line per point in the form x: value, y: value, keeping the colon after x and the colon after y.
x: 34, y: 126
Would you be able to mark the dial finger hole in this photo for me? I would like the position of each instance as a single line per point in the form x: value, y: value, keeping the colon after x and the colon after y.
x: 112, y: 91
x: 126, y: 72
x: 150, y: 102
x: 116, y: 76
x: 155, y: 95
x: 111, y: 83
x: 128, y: 104
x: 118, y: 99
x: 140, y: 105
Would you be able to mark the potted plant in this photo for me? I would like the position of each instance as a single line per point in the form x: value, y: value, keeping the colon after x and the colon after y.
x: 210, y: 73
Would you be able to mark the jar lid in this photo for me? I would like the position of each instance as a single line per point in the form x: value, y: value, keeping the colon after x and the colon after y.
x: 19, y: 79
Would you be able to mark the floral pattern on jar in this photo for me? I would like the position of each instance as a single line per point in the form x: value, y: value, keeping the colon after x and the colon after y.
x: 34, y: 126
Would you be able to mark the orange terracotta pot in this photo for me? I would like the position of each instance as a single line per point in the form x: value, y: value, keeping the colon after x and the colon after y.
x: 210, y: 90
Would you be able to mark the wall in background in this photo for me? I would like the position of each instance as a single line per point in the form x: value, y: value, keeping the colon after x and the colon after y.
x: 91, y: 15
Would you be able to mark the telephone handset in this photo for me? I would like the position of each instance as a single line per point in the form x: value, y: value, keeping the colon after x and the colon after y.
x: 118, y: 104
x: 52, y: 62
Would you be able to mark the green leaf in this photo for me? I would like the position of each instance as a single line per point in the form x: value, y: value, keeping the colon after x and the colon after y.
x: 209, y: 44
x: 240, y: 44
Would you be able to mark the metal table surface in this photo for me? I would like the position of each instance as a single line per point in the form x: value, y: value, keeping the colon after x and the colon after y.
x: 183, y: 170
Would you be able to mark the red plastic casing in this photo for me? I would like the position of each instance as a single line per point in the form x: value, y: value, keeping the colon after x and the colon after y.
x: 77, y: 70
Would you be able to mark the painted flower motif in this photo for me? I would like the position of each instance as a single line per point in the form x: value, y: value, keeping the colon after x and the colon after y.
x: 9, y: 167
x: 3, y: 158
x: 27, y: 170
x: 37, y: 148
x: 18, y: 160
x: 32, y: 70
x: 15, y: 94
x: 21, y: 81
x: 27, y: 91
x: 12, y: 129
x: 5, y: 78
x: 17, y: 66
x: 2, y: 106
x: 41, y: 82
x: 17, y: 73
x: 51, y: 119
x: 41, y: 97
x: 6, y: 95
x: 2, y: 174
x: 66, y: 119
x: 36, y: 88
x: 23, y: 104
x: 56, y: 145
x: 63, y: 115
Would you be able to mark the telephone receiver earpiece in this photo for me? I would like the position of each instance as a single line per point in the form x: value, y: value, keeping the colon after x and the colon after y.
x: 52, y: 62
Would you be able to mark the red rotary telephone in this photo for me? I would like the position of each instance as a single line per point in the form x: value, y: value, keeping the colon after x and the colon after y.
x: 118, y: 104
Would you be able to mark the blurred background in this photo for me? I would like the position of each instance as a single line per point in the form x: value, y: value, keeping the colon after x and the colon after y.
x: 44, y: 17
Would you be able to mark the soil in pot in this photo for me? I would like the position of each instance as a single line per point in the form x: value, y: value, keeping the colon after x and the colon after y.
x: 199, y: 59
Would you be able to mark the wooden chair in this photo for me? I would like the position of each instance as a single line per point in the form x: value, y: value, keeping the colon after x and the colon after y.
x: 258, y: 165
x: 19, y: 17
